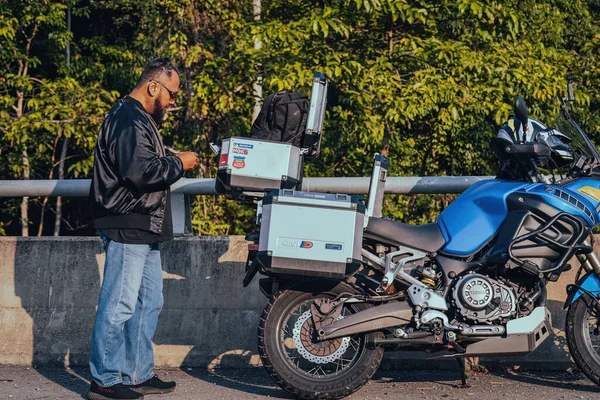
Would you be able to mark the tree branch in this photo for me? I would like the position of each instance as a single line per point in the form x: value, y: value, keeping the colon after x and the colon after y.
x: 65, y: 159
x: 69, y: 226
x: 59, y: 121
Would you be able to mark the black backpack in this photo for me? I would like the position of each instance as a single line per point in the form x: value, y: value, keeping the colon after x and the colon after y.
x: 282, y: 118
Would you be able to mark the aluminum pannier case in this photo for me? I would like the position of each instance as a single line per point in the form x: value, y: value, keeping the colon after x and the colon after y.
x: 314, y: 234
x: 247, y: 164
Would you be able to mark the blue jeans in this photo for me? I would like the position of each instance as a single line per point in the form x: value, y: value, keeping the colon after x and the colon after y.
x: 130, y: 300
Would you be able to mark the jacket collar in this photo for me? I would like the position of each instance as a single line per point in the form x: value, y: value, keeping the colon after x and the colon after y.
x: 135, y: 102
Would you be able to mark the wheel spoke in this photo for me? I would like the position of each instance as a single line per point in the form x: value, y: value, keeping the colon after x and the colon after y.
x: 337, y: 365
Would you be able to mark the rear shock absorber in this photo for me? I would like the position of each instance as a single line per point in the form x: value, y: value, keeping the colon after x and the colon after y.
x: 429, y: 276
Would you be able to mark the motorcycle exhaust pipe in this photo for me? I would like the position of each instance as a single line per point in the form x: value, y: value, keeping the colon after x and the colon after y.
x: 372, y: 319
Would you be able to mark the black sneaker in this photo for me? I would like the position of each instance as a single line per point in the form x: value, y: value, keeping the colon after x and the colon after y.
x: 118, y: 391
x: 153, y: 386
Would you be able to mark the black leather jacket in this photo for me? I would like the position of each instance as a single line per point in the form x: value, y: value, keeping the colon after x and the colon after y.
x: 132, y: 174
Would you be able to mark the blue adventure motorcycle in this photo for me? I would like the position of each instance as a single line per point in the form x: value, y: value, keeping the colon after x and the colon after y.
x: 473, y: 283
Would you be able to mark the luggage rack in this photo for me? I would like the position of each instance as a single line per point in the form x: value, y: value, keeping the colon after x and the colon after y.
x: 569, y: 248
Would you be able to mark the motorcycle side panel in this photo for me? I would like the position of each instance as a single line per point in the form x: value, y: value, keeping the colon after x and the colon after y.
x: 476, y: 215
x: 587, y: 190
x: 570, y: 198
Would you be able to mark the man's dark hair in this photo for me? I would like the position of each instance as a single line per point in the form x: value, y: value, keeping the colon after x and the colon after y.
x: 154, y: 68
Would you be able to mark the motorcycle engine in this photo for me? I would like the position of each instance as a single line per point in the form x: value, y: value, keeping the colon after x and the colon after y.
x: 482, y: 299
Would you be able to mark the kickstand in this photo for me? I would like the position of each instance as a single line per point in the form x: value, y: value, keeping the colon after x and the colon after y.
x: 463, y: 373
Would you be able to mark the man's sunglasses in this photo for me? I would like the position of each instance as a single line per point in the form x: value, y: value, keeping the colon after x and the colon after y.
x: 171, y: 93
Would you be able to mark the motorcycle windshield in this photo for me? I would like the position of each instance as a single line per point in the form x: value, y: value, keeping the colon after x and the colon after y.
x: 584, y: 151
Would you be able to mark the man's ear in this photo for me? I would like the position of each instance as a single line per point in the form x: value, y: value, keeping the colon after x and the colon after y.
x: 152, y: 89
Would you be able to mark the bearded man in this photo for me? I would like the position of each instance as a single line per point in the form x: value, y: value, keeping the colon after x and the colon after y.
x: 130, y: 199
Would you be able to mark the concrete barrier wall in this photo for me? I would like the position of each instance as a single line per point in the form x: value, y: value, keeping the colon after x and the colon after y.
x: 49, y: 289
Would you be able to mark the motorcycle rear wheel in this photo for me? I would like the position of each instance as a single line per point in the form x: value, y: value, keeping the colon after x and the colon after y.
x: 301, y: 366
x: 583, y: 336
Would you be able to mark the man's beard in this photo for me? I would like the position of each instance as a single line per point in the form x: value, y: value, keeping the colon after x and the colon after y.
x: 158, y: 115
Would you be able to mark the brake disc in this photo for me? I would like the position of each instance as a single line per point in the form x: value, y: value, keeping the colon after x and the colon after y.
x: 320, y: 352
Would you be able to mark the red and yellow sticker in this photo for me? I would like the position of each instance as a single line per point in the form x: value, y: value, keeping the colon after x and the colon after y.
x: 591, y: 191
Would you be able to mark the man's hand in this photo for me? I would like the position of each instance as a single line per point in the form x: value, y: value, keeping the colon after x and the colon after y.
x: 189, y: 158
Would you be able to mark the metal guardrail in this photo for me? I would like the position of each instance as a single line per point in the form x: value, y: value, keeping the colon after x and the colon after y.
x: 191, y: 187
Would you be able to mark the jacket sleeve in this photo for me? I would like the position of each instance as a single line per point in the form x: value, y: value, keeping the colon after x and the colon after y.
x: 140, y: 166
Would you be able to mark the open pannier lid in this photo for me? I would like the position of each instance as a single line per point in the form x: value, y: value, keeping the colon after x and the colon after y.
x: 311, y: 144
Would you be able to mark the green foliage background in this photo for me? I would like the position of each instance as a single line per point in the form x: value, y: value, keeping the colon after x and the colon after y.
x: 430, y: 80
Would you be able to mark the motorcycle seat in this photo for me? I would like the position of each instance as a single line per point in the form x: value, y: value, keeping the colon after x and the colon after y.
x: 426, y: 238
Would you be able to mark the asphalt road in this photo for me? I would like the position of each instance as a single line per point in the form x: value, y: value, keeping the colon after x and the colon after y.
x: 197, y: 384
